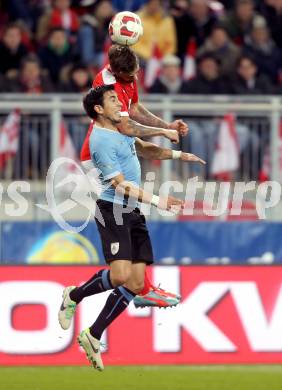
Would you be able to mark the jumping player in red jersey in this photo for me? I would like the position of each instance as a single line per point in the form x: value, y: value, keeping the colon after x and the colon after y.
x: 122, y: 73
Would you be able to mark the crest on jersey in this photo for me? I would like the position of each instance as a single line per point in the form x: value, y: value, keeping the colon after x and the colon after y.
x: 114, y: 248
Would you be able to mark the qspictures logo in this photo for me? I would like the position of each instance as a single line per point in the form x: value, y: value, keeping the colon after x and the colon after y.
x: 69, y: 186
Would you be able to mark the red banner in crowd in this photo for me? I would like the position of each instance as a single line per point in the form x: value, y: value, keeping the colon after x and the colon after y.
x: 227, y: 315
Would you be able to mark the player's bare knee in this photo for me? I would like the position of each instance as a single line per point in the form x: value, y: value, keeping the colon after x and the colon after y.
x: 120, y: 278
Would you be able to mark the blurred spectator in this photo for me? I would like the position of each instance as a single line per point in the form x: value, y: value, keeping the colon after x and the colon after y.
x: 33, y: 137
x: 159, y: 29
x: 28, y: 11
x: 193, y: 21
x: 272, y: 11
x: 170, y: 80
x: 203, y: 134
x: 248, y: 81
x: 79, y: 80
x: 208, y: 80
x: 178, y: 8
x: 93, y: 32
x: 239, y: 21
x: 184, y: 26
x: 228, y: 3
x: 127, y: 5
x: 203, y: 19
x: 57, y: 54
x: 30, y: 78
x: 19, y: 9
x: 12, y: 50
x: 263, y: 50
x: 221, y: 46
x: 217, y: 7
x: 59, y: 16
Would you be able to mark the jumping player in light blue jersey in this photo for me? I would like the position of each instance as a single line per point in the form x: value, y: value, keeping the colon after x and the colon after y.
x: 127, y: 247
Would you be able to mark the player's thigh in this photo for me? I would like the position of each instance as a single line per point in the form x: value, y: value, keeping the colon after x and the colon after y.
x: 121, y: 271
x: 116, y: 239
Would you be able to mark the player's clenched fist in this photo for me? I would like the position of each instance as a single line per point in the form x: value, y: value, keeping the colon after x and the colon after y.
x: 180, y: 126
x: 171, y: 204
x: 172, y: 135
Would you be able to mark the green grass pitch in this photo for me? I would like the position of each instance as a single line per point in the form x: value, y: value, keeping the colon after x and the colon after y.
x: 142, y: 378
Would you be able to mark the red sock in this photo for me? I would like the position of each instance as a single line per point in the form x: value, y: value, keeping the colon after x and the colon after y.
x: 147, y: 285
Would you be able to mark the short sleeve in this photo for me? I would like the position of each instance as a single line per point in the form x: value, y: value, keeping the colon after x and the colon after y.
x: 124, y: 106
x: 106, y: 161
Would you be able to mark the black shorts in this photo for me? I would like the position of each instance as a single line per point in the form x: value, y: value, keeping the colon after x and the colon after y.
x: 127, y: 241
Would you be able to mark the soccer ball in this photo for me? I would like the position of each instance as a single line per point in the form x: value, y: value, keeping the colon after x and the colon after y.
x: 125, y: 28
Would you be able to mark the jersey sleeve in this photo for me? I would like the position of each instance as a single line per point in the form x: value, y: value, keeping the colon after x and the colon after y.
x: 135, y: 97
x: 84, y: 152
x: 105, y: 159
x: 124, y: 106
x: 98, y: 81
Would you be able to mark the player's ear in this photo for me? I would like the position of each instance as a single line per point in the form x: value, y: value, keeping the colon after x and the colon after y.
x: 99, y: 109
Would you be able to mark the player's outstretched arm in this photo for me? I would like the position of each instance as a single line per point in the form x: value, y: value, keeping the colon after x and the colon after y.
x: 133, y: 129
x: 140, y: 114
x: 151, y: 151
x: 130, y: 190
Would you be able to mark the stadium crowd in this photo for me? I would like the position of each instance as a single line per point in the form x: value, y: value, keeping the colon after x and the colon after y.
x: 59, y: 45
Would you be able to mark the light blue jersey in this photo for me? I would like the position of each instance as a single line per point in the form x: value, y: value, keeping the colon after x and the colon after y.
x: 113, y: 153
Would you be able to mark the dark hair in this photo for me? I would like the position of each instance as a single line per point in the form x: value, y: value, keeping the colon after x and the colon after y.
x: 122, y: 59
x: 95, y: 97
x: 219, y: 26
x: 56, y: 29
x: 243, y: 2
x: 247, y: 57
x: 78, y: 66
x: 11, y: 26
x: 208, y: 56
x: 31, y: 57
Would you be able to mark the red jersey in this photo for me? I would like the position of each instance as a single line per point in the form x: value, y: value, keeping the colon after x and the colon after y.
x: 127, y: 93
